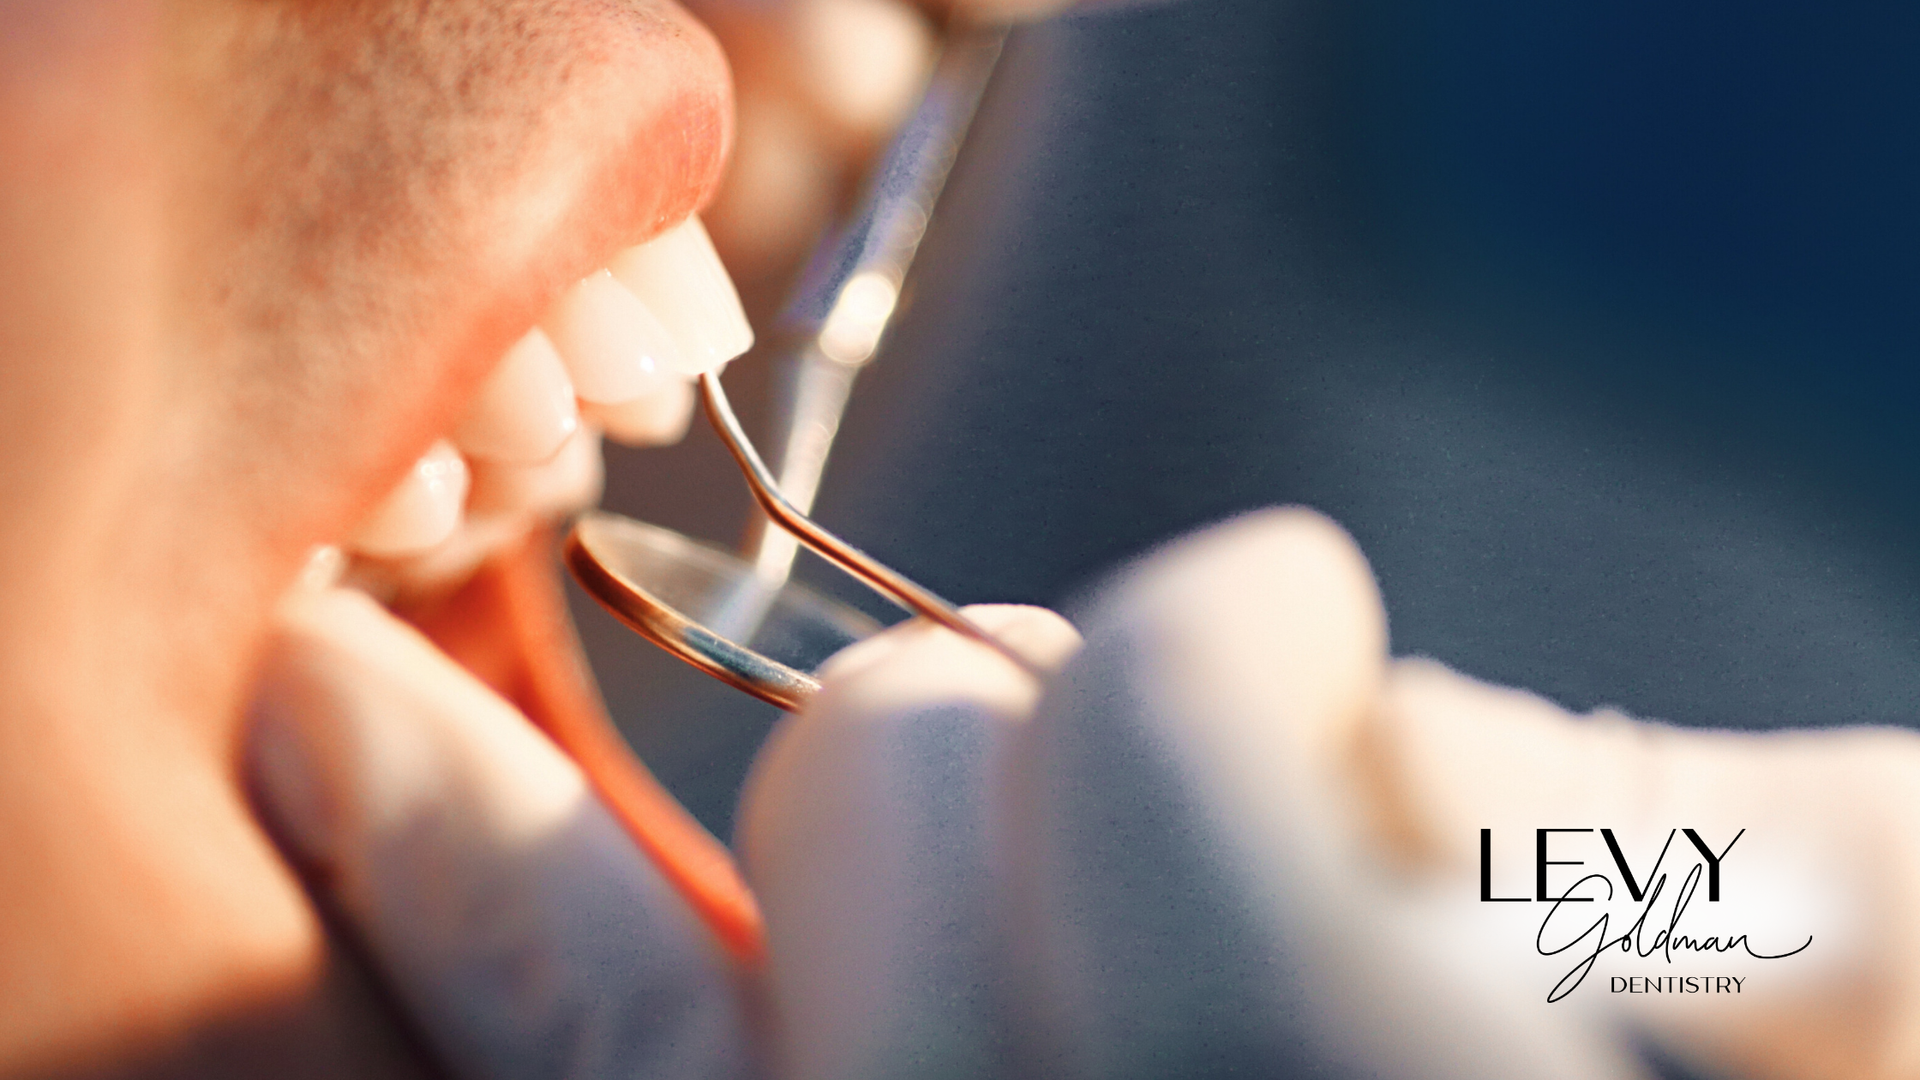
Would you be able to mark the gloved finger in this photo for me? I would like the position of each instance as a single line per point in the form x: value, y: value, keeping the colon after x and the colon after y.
x: 1190, y: 894
x: 819, y: 88
x: 864, y: 830
x: 1812, y: 835
x: 512, y: 917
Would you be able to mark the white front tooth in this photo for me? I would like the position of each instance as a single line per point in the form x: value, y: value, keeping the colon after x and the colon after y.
x: 659, y: 419
x: 323, y: 569
x: 422, y: 510
x: 525, y: 409
x: 506, y: 501
x: 446, y: 566
x: 613, y: 346
x: 325, y: 566
x: 679, y: 277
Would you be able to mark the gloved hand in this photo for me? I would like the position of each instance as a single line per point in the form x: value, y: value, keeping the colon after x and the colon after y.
x: 511, y: 916
x: 1157, y: 867
x: 1229, y: 835
x: 820, y: 86
x: 1232, y: 836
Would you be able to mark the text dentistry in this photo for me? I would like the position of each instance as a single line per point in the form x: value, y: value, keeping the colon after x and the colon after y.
x: 1578, y: 919
x: 1675, y: 984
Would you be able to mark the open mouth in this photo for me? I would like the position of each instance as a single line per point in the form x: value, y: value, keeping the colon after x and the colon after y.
x: 476, y: 298
x: 454, y: 546
x: 616, y: 355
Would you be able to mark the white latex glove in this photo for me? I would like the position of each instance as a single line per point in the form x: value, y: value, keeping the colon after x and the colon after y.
x: 1146, y: 871
x: 1233, y: 837
x: 1228, y: 836
x: 510, y: 915
x: 819, y: 88
x: 512, y: 918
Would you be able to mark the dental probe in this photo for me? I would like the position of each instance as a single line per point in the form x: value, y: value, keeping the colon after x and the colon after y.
x: 848, y: 293
x: 743, y: 621
x: 675, y: 590
x: 902, y: 590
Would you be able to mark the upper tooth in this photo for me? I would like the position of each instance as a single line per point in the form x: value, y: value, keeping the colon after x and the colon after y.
x: 679, y: 277
x: 615, y: 349
x: 422, y: 510
x: 566, y: 484
x: 655, y: 420
x: 525, y: 410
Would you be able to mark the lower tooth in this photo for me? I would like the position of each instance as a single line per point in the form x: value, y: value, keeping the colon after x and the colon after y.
x: 325, y: 566
x: 422, y: 510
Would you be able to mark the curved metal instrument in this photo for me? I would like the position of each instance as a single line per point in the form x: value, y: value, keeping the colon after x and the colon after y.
x: 741, y: 619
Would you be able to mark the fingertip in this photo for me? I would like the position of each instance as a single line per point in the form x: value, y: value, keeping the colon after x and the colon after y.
x: 904, y: 671
x: 366, y: 738
x: 509, y: 912
x: 917, y: 665
x: 864, y: 828
x: 303, y: 718
x: 1275, y: 611
x: 1043, y: 636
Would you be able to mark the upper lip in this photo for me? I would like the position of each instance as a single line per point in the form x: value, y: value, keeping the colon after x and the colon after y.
x: 656, y: 104
x: 431, y: 217
x: 625, y: 141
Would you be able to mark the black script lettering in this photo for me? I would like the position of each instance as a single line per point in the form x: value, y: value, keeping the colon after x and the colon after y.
x: 1571, y: 980
x: 1633, y: 942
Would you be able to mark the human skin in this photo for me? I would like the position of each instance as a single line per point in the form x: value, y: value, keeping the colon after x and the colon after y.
x: 259, y: 254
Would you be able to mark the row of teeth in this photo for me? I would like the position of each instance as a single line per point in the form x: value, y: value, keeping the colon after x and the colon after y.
x: 617, y: 354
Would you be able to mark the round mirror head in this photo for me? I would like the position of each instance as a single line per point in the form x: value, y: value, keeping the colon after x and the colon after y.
x: 707, y: 606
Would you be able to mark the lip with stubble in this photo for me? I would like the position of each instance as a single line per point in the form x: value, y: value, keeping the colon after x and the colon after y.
x: 574, y: 294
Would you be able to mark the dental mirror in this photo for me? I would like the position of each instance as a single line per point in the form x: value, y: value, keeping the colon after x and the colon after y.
x: 738, y: 617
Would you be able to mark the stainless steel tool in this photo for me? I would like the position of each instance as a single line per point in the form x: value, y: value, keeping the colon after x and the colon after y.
x: 739, y: 617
